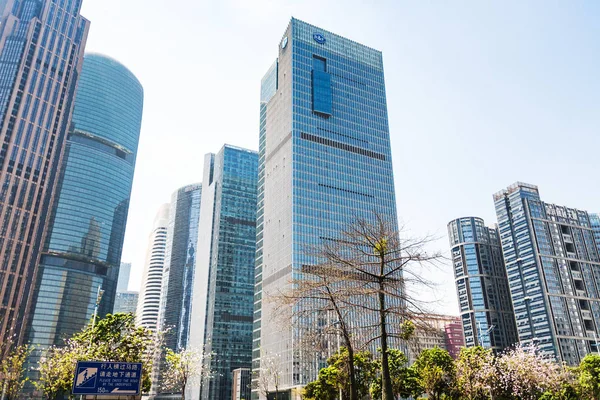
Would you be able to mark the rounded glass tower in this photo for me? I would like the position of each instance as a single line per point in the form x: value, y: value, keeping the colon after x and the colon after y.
x: 84, y: 239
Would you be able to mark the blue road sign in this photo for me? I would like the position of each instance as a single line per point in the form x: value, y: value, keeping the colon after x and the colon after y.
x: 107, y: 378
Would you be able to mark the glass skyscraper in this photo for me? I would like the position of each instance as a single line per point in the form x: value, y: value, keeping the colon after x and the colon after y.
x: 178, y: 275
x: 324, y: 160
x: 41, y: 52
x: 82, y: 251
x: 553, y: 267
x: 486, y: 310
x: 224, y: 279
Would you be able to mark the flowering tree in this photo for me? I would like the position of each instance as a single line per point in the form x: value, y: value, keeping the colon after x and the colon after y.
x: 525, y: 374
x: 57, y: 369
x: 269, y: 374
x: 475, y: 372
x: 12, y: 361
x: 183, y: 368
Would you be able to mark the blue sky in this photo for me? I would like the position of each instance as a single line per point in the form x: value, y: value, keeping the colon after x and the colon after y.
x: 480, y: 94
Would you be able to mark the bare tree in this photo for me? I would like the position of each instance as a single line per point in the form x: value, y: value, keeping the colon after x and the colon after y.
x: 318, y: 297
x: 182, y: 369
x: 370, y: 277
x: 269, y: 374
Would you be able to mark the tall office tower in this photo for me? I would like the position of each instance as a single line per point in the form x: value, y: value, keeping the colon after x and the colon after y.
x: 41, y: 52
x: 595, y: 219
x: 151, y: 289
x: 82, y: 252
x: 553, y: 272
x: 324, y: 160
x: 178, y: 276
x: 482, y: 285
x: 224, y: 277
x: 124, y: 274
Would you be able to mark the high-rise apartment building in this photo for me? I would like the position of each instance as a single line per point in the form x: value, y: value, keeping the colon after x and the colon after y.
x: 595, y: 220
x: 553, y: 267
x: 41, y: 54
x: 85, y: 233
x: 324, y: 160
x: 224, y: 278
x: 178, y: 276
x: 482, y: 285
x: 151, y: 289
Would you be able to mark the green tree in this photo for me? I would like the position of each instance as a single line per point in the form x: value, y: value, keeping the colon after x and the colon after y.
x: 404, y: 378
x: 114, y: 338
x: 435, y: 372
x: 365, y: 370
x: 325, y: 387
x: 589, y: 377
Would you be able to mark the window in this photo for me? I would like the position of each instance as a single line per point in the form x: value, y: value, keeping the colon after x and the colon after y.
x: 321, y: 87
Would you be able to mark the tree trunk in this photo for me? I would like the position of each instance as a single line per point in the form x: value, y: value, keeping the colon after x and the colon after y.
x: 183, y: 391
x: 387, y: 391
x: 352, y: 372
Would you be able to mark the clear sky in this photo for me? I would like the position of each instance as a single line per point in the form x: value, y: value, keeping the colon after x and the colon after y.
x: 480, y: 94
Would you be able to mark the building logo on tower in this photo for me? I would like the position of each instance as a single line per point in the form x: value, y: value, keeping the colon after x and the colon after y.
x: 319, y: 38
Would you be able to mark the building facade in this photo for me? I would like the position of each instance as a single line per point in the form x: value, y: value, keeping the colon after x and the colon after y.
x: 84, y: 241
x: 41, y: 53
x: 553, y: 265
x: 324, y: 160
x: 482, y: 285
x: 178, y: 276
x: 224, y: 279
x: 436, y: 330
x: 595, y: 220
x: 149, y: 299
x: 455, y: 337
x: 126, y: 302
x: 242, y: 384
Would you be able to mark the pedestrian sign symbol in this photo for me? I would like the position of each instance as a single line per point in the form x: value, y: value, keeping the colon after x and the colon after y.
x: 86, y: 377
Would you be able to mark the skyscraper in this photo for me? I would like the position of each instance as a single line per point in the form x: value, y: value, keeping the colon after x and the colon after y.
x: 553, y: 269
x: 151, y: 289
x: 84, y: 241
x: 324, y: 160
x: 595, y: 219
x: 124, y: 274
x: 178, y: 276
x: 487, y: 316
x: 224, y: 278
x: 41, y: 52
